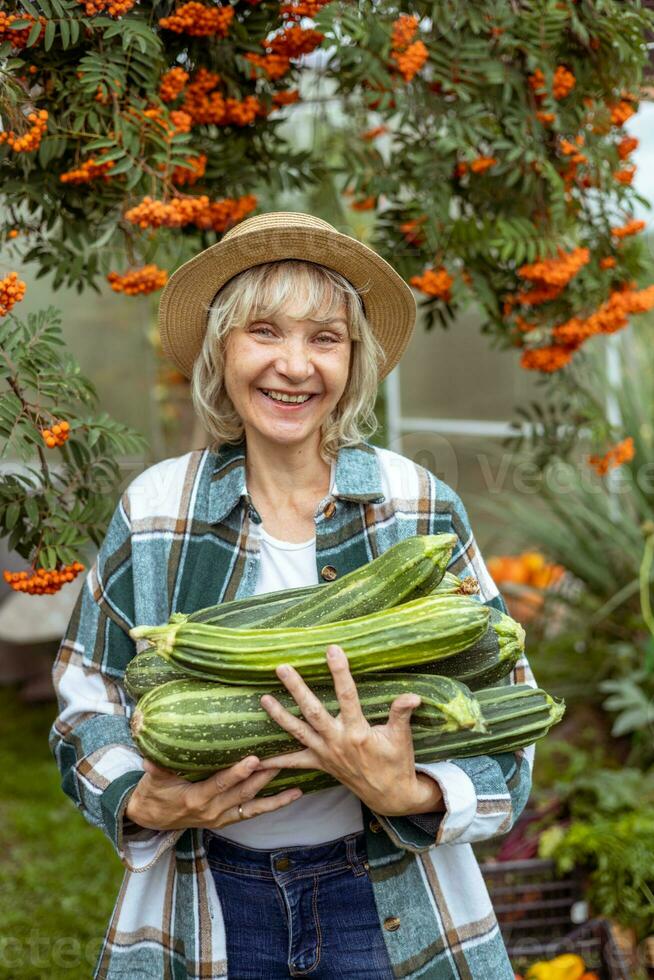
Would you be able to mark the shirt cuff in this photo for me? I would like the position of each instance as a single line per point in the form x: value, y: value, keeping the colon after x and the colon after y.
x: 459, y: 796
x: 136, y: 853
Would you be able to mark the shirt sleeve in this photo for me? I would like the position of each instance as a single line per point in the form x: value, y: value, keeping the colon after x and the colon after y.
x: 485, y: 794
x: 90, y: 738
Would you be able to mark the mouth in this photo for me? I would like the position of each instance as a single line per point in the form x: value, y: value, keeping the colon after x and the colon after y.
x: 286, y: 402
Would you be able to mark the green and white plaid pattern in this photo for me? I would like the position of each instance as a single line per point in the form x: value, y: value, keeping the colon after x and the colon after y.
x: 185, y: 535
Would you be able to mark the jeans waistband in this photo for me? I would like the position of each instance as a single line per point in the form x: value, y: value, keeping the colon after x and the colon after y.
x: 344, y: 851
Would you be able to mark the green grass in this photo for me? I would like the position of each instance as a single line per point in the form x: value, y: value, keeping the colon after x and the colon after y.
x: 59, y: 876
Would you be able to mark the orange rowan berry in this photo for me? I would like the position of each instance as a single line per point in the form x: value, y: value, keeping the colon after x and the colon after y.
x: 621, y: 453
x: 563, y: 82
x: 546, y: 359
x: 199, y: 211
x: 89, y: 170
x: 410, y: 61
x: 403, y: 31
x: 481, y: 164
x: 608, y: 262
x: 434, y: 282
x: 197, y: 20
x: 630, y: 228
x: 19, y: 38
x: 40, y: 581
x: 31, y: 139
x: 12, y: 291
x: 625, y: 176
x: 172, y: 83
x: 115, y: 8
x: 138, y: 282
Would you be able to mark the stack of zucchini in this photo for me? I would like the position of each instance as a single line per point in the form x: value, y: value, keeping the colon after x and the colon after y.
x: 405, y: 624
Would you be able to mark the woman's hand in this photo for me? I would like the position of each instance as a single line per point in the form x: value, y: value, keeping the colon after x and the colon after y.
x: 163, y: 800
x: 376, y: 762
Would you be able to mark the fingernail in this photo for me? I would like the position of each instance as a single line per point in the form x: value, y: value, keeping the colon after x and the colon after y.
x: 282, y: 671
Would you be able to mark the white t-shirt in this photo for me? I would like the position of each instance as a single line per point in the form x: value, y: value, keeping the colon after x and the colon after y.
x: 327, y: 813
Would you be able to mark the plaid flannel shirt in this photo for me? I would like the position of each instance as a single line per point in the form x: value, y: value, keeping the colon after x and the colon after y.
x: 185, y: 535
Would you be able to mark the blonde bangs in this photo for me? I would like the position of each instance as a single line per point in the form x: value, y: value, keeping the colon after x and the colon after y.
x: 263, y: 291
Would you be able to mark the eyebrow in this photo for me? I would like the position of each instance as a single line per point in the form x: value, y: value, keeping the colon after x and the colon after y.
x: 332, y: 320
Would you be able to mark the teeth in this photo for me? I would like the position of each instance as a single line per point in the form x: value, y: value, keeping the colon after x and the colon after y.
x: 279, y: 397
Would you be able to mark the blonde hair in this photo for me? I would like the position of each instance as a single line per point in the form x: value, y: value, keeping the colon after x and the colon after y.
x: 261, y: 291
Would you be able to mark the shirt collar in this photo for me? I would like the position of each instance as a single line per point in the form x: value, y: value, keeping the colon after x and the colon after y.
x: 357, y: 477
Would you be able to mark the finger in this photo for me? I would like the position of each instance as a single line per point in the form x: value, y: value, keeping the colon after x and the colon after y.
x: 313, y: 710
x: 223, y: 780
x: 399, y: 716
x: 303, y: 731
x: 266, y: 804
x: 305, y: 759
x: 344, y: 686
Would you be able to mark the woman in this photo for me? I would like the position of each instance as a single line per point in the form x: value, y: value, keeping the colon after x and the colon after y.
x: 285, y: 326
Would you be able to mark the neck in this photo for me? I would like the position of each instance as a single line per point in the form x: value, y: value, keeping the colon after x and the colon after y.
x: 278, y: 473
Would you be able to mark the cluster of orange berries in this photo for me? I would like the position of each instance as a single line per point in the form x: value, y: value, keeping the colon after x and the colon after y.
x: 434, y: 282
x: 626, y: 146
x: 621, y: 111
x: 30, y: 140
x: 12, y: 291
x: 274, y: 65
x: 626, y: 175
x: 549, y: 277
x: 403, y: 31
x: 43, y: 582
x: 199, y: 211
x: 13, y: 233
x: 197, y: 20
x: 480, y: 164
x: 529, y: 568
x: 57, y: 435
x: 563, y: 83
x: 574, y: 157
x: 608, y: 262
x: 611, y: 316
x: 287, y: 97
x: 141, y: 281
x: 172, y: 83
x: 19, y: 37
x: 89, y: 170
x: 293, y: 42
x: 632, y: 227
x: 408, y: 57
x: 190, y: 174
x: 412, y: 231
x: 115, y: 8
x: 621, y: 453
x: 204, y: 106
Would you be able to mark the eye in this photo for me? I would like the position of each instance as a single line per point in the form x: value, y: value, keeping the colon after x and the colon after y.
x: 328, y: 338
x: 261, y: 330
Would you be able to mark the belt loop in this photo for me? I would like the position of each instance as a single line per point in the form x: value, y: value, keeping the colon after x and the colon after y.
x: 353, y: 859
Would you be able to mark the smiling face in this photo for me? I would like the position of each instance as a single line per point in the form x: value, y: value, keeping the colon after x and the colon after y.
x: 285, y: 375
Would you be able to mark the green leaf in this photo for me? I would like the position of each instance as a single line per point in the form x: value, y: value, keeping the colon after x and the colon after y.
x: 13, y: 512
x: 49, y: 34
x: 33, y: 34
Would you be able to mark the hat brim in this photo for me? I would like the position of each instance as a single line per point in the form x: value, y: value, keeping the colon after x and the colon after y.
x: 389, y: 304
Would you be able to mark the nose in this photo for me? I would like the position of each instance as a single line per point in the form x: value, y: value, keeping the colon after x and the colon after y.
x: 294, y: 361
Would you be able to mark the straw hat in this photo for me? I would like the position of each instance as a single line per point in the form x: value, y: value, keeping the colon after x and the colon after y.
x: 389, y: 304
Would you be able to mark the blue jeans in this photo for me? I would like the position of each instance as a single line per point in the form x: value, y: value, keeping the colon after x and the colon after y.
x: 299, y: 911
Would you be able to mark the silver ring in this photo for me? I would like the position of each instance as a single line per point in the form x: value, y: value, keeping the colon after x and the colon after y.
x: 241, y: 815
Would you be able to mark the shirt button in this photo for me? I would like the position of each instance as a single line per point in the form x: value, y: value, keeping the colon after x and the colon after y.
x: 282, y: 864
x: 330, y: 509
x: 375, y: 826
x: 329, y: 573
x: 392, y: 923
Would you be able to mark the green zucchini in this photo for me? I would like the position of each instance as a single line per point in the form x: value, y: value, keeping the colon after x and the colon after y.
x: 149, y: 668
x: 520, y: 719
x: 190, y: 725
x: 488, y: 660
x: 426, y: 629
